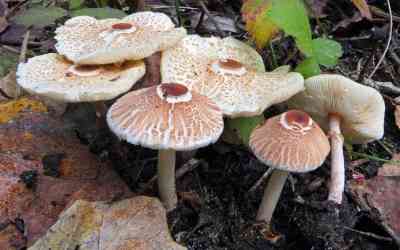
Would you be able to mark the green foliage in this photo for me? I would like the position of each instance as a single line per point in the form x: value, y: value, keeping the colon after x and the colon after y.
x: 76, y: 4
x: 291, y: 17
x: 40, y: 16
x: 326, y: 51
x: 243, y: 126
x: 7, y: 60
x: 99, y: 13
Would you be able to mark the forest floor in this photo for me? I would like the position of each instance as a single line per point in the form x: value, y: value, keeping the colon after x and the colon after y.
x: 216, y: 209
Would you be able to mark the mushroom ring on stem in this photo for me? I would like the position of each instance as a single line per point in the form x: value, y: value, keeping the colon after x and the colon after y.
x: 86, y: 40
x: 290, y: 142
x: 167, y: 117
x: 348, y: 111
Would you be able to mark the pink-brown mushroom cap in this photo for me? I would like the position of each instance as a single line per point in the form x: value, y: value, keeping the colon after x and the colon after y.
x: 167, y: 116
x: 291, y: 142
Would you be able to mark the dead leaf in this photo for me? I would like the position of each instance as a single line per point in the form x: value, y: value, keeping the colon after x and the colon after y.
x: 3, y: 16
x: 137, y: 223
x: 363, y: 7
x: 381, y: 194
x: 317, y: 7
x: 390, y: 169
x: 8, y: 84
x: 23, y: 143
x: 258, y: 25
x: 12, y: 109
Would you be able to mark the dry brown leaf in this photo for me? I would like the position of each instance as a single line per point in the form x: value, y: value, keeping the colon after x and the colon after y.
x: 3, y: 16
x: 25, y: 143
x: 138, y: 223
x: 382, y: 195
x: 390, y: 169
x: 363, y: 7
x: 8, y: 84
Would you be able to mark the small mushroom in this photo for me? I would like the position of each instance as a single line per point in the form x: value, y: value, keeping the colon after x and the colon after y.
x: 170, y: 118
x: 86, y: 40
x: 51, y: 75
x: 344, y: 108
x: 290, y: 142
x: 230, y: 73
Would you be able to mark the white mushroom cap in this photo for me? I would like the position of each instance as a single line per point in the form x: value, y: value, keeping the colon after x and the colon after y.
x: 230, y: 73
x: 166, y: 116
x: 52, y: 76
x: 291, y: 142
x: 86, y: 40
x: 360, y: 108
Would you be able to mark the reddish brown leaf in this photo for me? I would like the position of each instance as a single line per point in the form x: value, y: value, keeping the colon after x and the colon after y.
x: 397, y: 116
x: 24, y: 142
x: 363, y: 7
x: 390, y: 169
x: 3, y: 16
x: 381, y: 194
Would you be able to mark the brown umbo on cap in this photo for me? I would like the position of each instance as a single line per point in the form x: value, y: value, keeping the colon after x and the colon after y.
x: 230, y: 73
x: 291, y: 141
x: 167, y: 116
x: 86, y: 40
x: 52, y: 76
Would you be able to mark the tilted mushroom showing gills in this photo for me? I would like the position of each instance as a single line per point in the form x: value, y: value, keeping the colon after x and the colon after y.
x: 86, y: 40
x: 170, y: 118
x: 230, y: 73
x: 345, y: 109
x: 290, y: 142
x: 52, y: 76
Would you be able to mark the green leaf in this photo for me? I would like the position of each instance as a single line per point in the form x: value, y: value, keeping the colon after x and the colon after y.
x: 243, y: 126
x: 309, y: 67
x: 99, y: 13
x: 7, y: 60
x: 40, y: 16
x: 326, y: 51
x: 76, y: 4
x: 291, y: 16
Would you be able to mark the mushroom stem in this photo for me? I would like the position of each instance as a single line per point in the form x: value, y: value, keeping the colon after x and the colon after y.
x: 166, y: 178
x: 101, y: 111
x: 336, y: 186
x: 153, y: 75
x: 271, y: 196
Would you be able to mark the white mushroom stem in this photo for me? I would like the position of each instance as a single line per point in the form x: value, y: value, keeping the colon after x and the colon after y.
x: 271, y: 196
x: 166, y: 178
x: 336, y: 187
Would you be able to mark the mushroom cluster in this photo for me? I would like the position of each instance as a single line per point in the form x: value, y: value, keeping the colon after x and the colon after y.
x: 204, y: 80
x: 98, y: 60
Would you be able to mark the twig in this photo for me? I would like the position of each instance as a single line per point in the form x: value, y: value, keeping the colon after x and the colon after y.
x: 204, y: 7
x: 178, y: 12
x: 388, y: 41
x: 369, y: 234
x: 384, y: 86
x: 22, y: 59
x: 261, y: 180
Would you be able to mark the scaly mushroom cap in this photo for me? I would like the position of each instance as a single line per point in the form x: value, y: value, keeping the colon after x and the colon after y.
x: 360, y: 108
x: 53, y: 76
x: 230, y: 73
x: 167, y: 116
x: 86, y: 40
x: 291, y: 141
